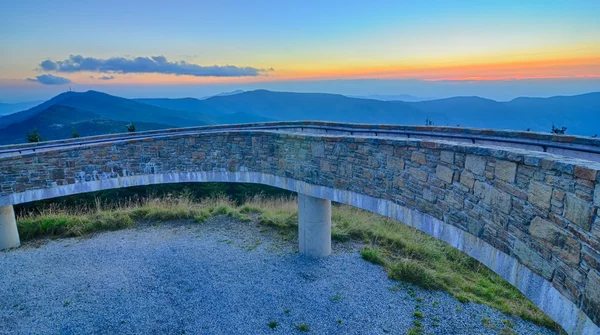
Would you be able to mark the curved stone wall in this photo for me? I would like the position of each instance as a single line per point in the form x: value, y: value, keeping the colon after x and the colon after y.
x: 530, y: 217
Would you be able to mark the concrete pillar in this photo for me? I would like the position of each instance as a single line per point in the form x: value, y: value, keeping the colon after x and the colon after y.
x: 9, y: 235
x: 314, y: 226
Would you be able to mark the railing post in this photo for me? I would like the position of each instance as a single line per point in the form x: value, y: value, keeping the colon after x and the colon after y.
x: 314, y: 226
x: 9, y: 235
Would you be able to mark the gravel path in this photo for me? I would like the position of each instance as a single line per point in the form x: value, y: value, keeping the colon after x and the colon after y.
x: 219, y: 277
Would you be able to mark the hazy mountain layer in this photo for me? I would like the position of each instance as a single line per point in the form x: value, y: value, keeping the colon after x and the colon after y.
x: 96, y: 112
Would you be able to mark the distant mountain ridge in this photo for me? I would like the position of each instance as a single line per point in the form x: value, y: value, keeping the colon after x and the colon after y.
x: 94, y: 112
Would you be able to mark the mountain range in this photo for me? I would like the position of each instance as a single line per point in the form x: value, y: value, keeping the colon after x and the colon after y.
x: 92, y: 113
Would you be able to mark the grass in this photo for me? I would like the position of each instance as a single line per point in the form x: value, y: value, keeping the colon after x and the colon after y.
x: 303, y: 327
x: 273, y: 324
x: 406, y: 254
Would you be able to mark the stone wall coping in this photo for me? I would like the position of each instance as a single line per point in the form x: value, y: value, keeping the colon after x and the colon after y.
x: 450, y: 131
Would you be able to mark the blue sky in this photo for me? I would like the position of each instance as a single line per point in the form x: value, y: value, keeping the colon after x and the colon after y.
x: 490, y: 48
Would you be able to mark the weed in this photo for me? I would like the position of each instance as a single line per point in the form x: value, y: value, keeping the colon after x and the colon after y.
x: 418, y: 314
x: 508, y: 323
x: 303, y: 327
x: 273, y: 324
x: 336, y: 298
x: 372, y: 255
x: 67, y: 303
x: 487, y: 322
x: 287, y: 311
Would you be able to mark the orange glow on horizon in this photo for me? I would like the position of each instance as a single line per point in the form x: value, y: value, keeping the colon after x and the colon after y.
x: 564, y: 68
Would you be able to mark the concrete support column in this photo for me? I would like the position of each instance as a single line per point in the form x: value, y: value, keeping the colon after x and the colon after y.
x: 314, y: 226
x: 9, y: 235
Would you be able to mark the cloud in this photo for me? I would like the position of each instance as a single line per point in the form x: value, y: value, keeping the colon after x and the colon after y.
x: 48, y: 79
x: 154, y: 64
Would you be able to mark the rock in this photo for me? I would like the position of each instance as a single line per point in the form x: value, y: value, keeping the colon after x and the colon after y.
x: 444, y: 173
x: 533, y: 260
x: 555, y: 239
x: 578, y: 211
x: 418, y: 157
x: 467, y: 179
x: 418, y: 174
x: 506, y: 171
x: 447, y: 157
x: 475, y: 164
x: 591, y: 297
x: 539, y: 194
x: 500, y: 200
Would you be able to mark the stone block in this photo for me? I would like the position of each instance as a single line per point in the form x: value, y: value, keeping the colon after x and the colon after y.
x: 585, y: 173
x: 467, y: 179
x: 597, y: 195
x: 591, y: 297
x: 483, y: 191
x: 500, y: 200
x: 506, y: 171
x: 533, y: 260
x: 418, y: 157
x: 578, y: 211
x: 57, y: 174
x: 447, y: 157
x: 539, y: 194
x: 555, y: 239
x: 395, y: 163
x: 418, y: 174
x: 475, y: 164
x: 444, y: 173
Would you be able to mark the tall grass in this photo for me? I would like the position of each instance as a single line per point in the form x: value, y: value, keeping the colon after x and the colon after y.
x: 407, y: 254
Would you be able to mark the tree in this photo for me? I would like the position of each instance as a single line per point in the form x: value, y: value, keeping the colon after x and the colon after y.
x: 559, y: 131
x: 130, y: 127
x: 34, y: 136
x: 75, y: 133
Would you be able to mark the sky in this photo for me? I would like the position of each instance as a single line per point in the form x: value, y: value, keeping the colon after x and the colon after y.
x: 495, y: 49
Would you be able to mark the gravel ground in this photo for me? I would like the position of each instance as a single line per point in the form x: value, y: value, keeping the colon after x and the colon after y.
x: 219, y: 277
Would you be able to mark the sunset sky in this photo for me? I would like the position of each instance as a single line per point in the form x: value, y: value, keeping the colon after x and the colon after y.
x: 497, y: 49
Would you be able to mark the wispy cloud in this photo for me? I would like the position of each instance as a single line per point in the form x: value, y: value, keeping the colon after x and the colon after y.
x: 154, y: 64
x: 48, y: 79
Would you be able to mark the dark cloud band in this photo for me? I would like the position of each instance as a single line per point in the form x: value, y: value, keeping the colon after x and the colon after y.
x: 48, y: 79
x: 154, y: 64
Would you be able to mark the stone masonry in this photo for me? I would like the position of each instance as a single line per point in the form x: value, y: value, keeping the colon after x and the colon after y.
x: 536, y: 207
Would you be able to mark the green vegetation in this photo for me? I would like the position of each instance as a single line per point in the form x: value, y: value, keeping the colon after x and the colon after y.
x: 418, y: 314
x: 130, y: 127
x: 407, y: 254
x: 75, y: 133
x: 34, y: 136
x: 273, y: 324
x: 303, y: 327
